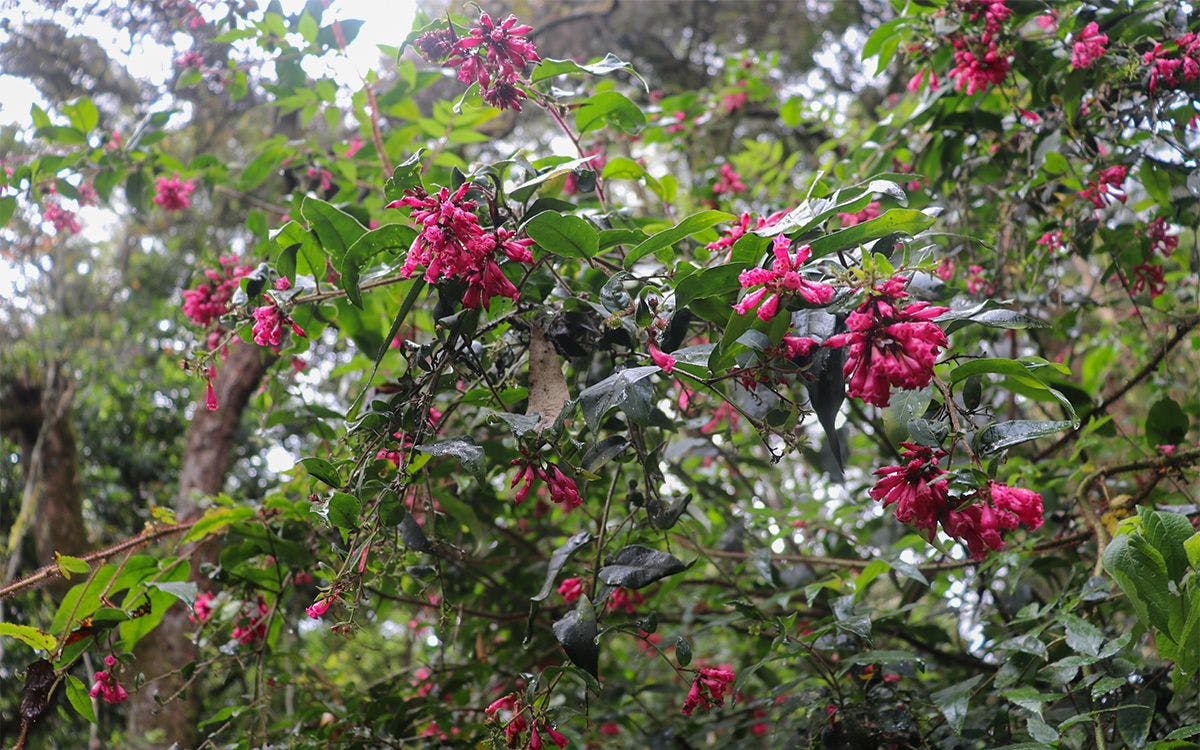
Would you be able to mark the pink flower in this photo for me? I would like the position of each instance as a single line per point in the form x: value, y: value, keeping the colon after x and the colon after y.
x: 209, y: 301
x: 87, y: 194
x: 610, y: 729
x: 890, y: 346
x: 1048, y: 21
x: 708, y: 689
x: 268, y: 324
x: 1052, y: 240
x: 625, y: 600
x: 737, y: 231
x: 978, y: 73
x: 981, y: 526
x: 435, y: 46
x: 797, y: 347
x: 105, y: 685
x: 190, y: 59
x: 945, y: 269
x: 1167, y: 450
x: 1089, y: 47
x: 1170, y: 70
x: 355, y: 145
x: 562, y: 488
x: 558, y: 738
x: 1161, y: 238
x: 917, y: 81
x: 734, y: 101
x: 202, y: 608
x: 917, y: 488
x: 570, y: 589
x: 210, y: 393
x: 1147, y: 276
x: 871, y: 211
x: 451, y: 244
x: 114, y: 141
x: 729, y: 181
x: 782, y: 279
x: 172, y: 193
x: 977, y: 283
x: 321, y: 176
x: 1106, y: 188
x: 317, y: 609
x: 1024, y: 505
x: 506, y: 55
x: 64, y: 221
x: 252, y: 625
x: 665, y: 361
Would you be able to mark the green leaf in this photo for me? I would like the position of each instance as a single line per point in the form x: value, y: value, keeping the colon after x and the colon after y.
x: 217, y: 519
x: 184, y: 591
x: 336, y: 230
x: 902, y: 221
x: 611, y: 108
x: 68, y: 565
x: 323, y: 470
x: 29, y: 635
x: 610, y: 63
x: 342, y: 511
x: 133, y: 631
x: 1141, y: 572
x: 1082, y: 636
x: 598, y: 399
x: 405, y: 176
x: 262, y: 166
x: 994, y: 318
x: 1001, y: 435
x: 413, y: 292
x: 709, y: 282
x: 564, y: 235
x: 697, y: 222
x: 1168, y: 532
x: 364, y: 250
x: 1166, y: 423
x: 954, y: 700
x: 8, y: 206
x: 83, y: 114
x: 77, y: 696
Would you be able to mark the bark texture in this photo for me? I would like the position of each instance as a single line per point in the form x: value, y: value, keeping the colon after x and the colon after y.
x: 206, y: 461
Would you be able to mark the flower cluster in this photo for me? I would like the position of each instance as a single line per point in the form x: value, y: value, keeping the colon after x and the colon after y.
x: 978, y: 283
x: 396, y: 457
x: 210, y: 300
x: 849, y: 219
x: 64, y: 220
x: 782, y: 279
x: 1161, y: 238
x: 1173, y: 71
x: 624, y: 600
x: 269, y: 319
x: 105, y: 685
x: 708, y: 689
x: 172, y: 193
x: 562, y: 487
x: 1089, y: 47
x: 202, y: 607
x: 979, y: 62
x: 918, y: 489
x: 1052, y: 240
x: 1148, y: 277
x: 739, y: 230
x: 729, y: 181
x: 517, y: 724
x: 493, y: 55
x: 891, y: 346
x: 452, y: 244
x: 1106, y: 188
x: 570, y: 588
x: 252, y: 625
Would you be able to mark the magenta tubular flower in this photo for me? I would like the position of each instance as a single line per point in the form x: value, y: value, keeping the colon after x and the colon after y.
x: 870, y: 211
x: 1089, y: 47
x: 917, y: 488
x: 782, y: 279
x: 570, y: 589
x: 317, y: 609
x: 105, y: 685
x: 978, y: 73
x: 563, y: 490
x: 729, y: 181
x: 1025, y: 505
x: 173, y: 194
x: 202, y: 608
x: 890, y: 346
x: 662, y: 359
x: 493, y: 55
x: 982, y: 525
x: 708, y: 689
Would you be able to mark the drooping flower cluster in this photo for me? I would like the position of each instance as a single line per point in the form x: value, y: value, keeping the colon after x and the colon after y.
x: 202, y: 607
x: 269, y: 319
x: 172, y: 193
x: 562, y: 487
x: 1162, y: 240
x: 918, y: 490
x: 729, y: 181
x: 210, y: 300
x: 516, y: 724
x: 1106, y: 188
x: 1148, y: 277
x: 1089, y: 47
x: 1052, y: 240
x: 979, y: 61
x: 624, y: 600
x: 870, y: 211
x: 570, y: 588
x: 999, y: 508
x: 782, y: 280
x: 105, y: 685
x: 252, y: 625
x: 452, y: 244
x: 63, y: 220
x: 708, y: 689
x: 1172, y: 71
x: 891, y: 346
x: 493, y: 55
x: 739, y: 230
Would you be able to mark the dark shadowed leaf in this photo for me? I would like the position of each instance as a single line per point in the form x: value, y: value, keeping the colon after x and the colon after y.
x: 576, y: 631
x: 636, y: 566
x: 558, y: 559
x: 954, y: 700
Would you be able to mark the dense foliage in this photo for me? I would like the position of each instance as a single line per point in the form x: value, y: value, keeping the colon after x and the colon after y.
x: 607, y: 435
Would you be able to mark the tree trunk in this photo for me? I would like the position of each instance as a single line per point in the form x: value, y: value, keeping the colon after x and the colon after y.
x: 51, y: 504
x: 206, y: 462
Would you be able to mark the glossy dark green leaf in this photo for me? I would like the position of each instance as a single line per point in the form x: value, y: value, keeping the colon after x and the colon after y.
x: 636, y: 566
x: 564, y: 235
x: 576, y: 632
x: 1166, y: 423
x: 597, y: 400
x: 323, y: 470
x: 364, y: 250
x: 462, y: 450
x: 335, y: 229
x: 697, y: 222
x: 558, y: 559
